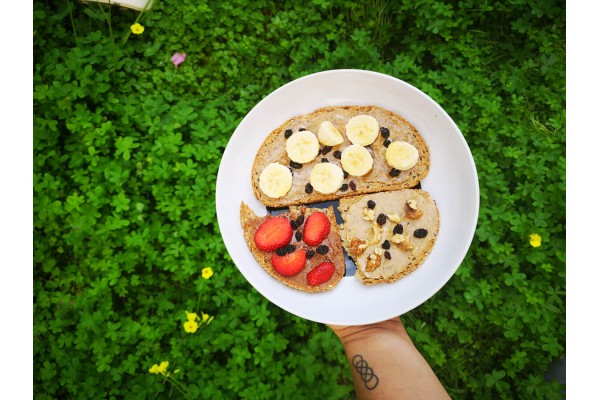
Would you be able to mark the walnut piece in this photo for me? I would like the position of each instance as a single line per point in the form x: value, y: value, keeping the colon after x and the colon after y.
x: 357, y: 246
x: 405, y: 245
x: 369, y: 214
x: 411, y: 210
x: 377, y: 231
x: 373, y: 262
x: 394, y: 217
x: 402, y: 242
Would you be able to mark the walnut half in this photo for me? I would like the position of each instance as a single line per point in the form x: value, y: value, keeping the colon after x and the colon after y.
x: 411, y: 210
x: 357, y: 246
x: 373, y: 262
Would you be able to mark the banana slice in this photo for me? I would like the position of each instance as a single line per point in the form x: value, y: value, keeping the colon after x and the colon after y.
x: 329, y: 135
x: 362, y: 129
x: 275, y: 180
x: 356, y: 160
x: 302, y: 147
x: 401, y: 155
x: 326, y: 178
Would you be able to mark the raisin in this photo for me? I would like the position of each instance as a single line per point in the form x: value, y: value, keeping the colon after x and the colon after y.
x: 420, y: 233
x: 294, y: 225
x: 288, y: 133
x: 326, y: 150
x: 346, y: 175
x: 282, y: 251
x: 387, y: 142
x: 352, y: 185
x: 417, y: 186
x: 344, y: 187
x: 385, y: 132
x: 310, y: 254
x: 308, y: 189
x: 385, y: 245
x: 300, y: 219
x: 387, y: 255
x: 381, y: 218
x: 337, y: 154
x: 398, y: 229
x: 301, y: 129
x: 296, y: 165
x: 298, y: 236
x: 290, y: 248
x: 394, y: 172
x: 371, y: 204
x: 322, y: 249
x: 324, y: 160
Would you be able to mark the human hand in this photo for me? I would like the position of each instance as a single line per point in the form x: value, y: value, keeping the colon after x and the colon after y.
x: 382, y: 352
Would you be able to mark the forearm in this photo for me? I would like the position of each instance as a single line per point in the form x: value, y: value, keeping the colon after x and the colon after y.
x: 385, y: 364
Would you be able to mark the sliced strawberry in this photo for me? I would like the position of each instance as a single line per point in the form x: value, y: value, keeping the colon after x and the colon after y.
x: 272, y: 234
x: 316, y: 228
x: 289, y: 264
x: 320, y: 274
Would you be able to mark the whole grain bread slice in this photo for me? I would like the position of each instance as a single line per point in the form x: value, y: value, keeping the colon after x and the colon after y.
x: 250, y: 223
x: 373, y: 228
x: 379, y: 179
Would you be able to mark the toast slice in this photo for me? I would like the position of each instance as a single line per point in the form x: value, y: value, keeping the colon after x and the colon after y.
x: 273, y: 150
x: 388, y: 234
x: 251, y: 222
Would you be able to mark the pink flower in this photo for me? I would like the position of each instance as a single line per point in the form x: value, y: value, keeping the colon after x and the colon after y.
x: 178, y: 58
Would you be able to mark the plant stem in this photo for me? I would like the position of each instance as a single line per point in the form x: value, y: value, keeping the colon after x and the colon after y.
x: 112, y: 39
x: 177, y: 386
x: 72, y: 21
x: 230, y: 296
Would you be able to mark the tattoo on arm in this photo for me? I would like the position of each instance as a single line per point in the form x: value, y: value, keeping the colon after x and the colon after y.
x: 366, y: 373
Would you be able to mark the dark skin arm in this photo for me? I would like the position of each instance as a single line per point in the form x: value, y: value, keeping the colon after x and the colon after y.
x: 386, y: 365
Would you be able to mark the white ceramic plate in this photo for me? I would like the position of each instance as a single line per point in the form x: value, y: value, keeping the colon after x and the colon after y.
x: 452, y: 182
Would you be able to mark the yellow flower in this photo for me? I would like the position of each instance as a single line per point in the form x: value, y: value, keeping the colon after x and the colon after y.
x: 137, y: 28
x: 535, y: 240
x: 191, y: 316
x: 190, y: 326
x: 207, y: 272
x: 159, y: 369
x: 207, y: 319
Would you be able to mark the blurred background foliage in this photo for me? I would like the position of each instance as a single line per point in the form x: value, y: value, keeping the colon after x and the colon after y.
x: 126, y: 153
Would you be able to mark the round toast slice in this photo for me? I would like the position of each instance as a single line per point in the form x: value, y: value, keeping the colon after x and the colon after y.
x: 250, y: 223
x: 377, y: 180
x: 368, y: 233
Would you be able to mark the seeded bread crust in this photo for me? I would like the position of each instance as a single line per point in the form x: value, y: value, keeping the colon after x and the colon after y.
x: 378, y: 180
x: 388, y: 202
x: 250, y: 223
